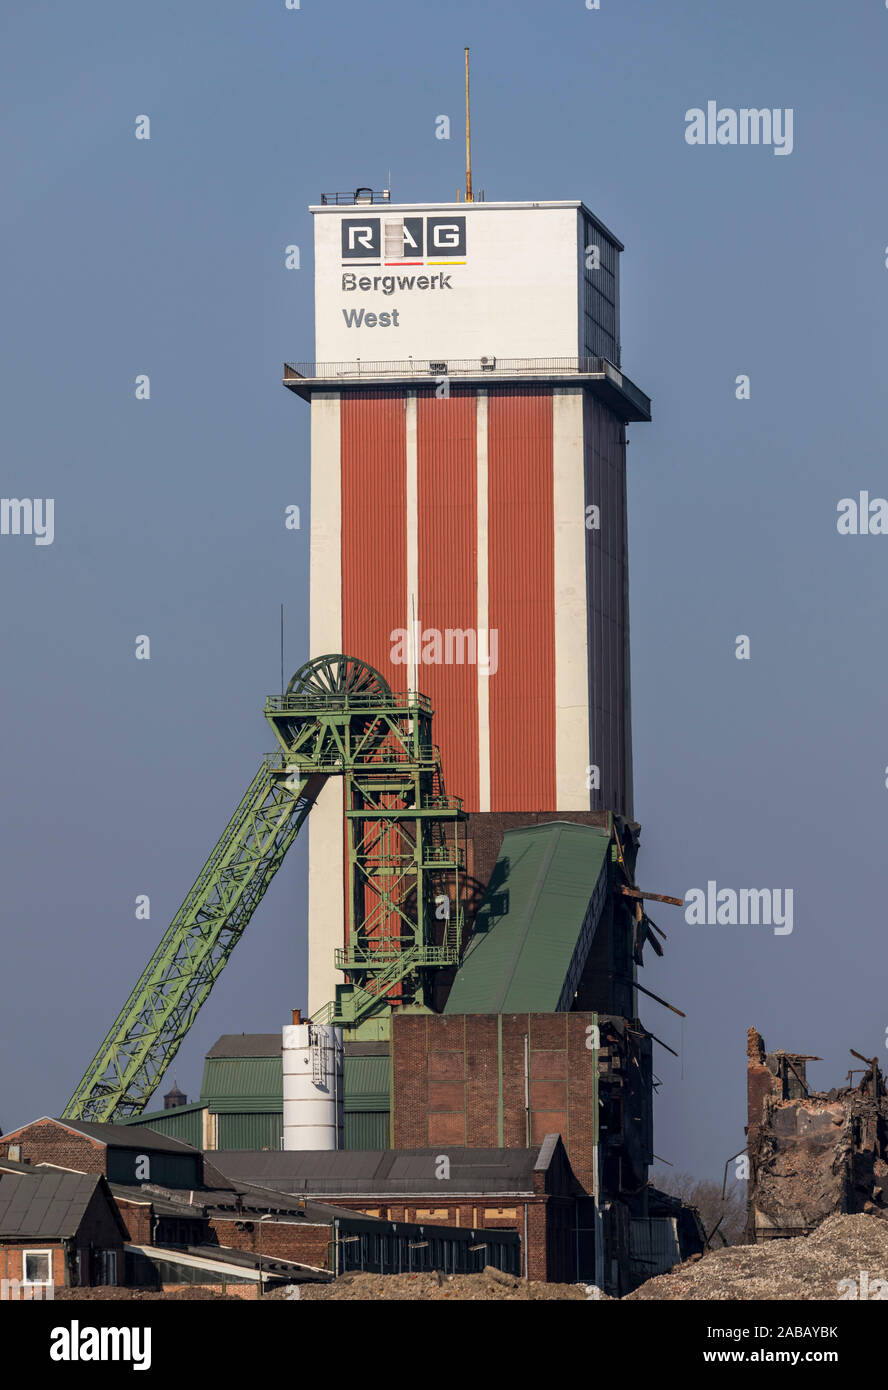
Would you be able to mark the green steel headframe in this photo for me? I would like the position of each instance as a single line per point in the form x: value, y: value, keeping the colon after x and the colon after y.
x: 403, y: 916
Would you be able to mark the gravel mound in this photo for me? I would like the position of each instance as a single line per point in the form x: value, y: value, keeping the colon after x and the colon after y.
x: 490, y: 1284
x: 809, y: 1267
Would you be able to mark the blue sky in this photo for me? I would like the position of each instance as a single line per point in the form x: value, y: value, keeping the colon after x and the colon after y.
x: 166, y: 257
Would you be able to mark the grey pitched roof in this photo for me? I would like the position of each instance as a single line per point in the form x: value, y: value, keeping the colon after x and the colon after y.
x: 247, y: 1045
x: 223, y: 1202
x: 164, y: 1202
x: 129, y: 1137
x: 365, y: 1171
x: 44, y: 1205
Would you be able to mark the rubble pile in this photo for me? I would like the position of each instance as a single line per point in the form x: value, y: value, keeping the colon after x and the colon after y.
x: 846, y: 1257
x: 812, y: 1154
x: 490, y: 1284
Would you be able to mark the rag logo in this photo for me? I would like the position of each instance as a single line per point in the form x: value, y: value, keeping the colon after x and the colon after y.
x: 410, y: 240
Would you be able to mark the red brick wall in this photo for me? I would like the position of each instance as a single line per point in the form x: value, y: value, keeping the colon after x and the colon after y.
x: 446, y: 1082
x: 549, y: 1243
x: 137, y: 1219
x: 306, y: 1243
x: 11, y: 1260
x: 46, y: 1141
x: 760, y: 1084
x: 245, y: 1291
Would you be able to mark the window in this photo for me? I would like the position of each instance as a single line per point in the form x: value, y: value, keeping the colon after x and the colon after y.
x: 108, y: 1267
x: 37, y: 1267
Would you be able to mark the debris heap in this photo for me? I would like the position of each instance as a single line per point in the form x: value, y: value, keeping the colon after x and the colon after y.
x: 812, y: 1154
x: 845, y: 1258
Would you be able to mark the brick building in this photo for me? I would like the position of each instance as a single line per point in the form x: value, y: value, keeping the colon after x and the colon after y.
x: 530, y: 1191
x: 120, y: 1153
x: 56, y: 1228
x: 209, y: 1230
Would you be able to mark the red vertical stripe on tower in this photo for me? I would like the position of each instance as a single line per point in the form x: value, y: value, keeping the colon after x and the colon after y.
x: 374, y: 529
x: 521, y: 564
x: 374, y: 577
x: 448, y: 575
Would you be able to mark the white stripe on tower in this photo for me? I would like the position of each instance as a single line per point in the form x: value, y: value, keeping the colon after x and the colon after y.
x: 572, y: 753
x: 483, y: 603
x: 326, y: 895
x: 325, y: 587
x: 413, y: 613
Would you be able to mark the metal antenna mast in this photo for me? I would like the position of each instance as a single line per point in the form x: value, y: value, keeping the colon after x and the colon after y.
x: 470, y: 197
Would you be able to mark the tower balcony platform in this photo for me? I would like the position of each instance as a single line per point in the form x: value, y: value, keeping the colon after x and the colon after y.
x: 605, y: 381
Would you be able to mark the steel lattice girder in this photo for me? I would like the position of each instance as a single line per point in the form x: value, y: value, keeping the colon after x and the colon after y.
x: 195, y: 948
x: 338, y: 718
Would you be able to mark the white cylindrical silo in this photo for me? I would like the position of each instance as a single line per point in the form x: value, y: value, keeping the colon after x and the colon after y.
x: 312, y: 1055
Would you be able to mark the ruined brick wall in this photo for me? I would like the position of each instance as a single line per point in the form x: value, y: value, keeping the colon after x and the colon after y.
x: 812, y: 1154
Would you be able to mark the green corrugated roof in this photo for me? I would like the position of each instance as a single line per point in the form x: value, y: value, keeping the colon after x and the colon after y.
x: 529, y: 921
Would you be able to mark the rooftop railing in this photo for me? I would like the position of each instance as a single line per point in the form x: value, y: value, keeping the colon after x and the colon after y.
x: 461, y: 366
x: 592, y: 369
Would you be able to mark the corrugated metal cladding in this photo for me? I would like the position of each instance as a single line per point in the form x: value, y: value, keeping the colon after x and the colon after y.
x: 374, y: 526
x: 366, y: 1129
x: 654, y: 1245
x: 607, y: 607
x: 250, y: 1131
x: 521, y: 566
x: 183, y: 1122
x: 365, y: 1083
x: 601, y: 295
x: 448, y: 574
x: 242, y: 1083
